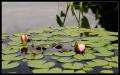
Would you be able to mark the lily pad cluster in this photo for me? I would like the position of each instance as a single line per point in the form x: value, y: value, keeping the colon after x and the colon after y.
x: 99, y: 51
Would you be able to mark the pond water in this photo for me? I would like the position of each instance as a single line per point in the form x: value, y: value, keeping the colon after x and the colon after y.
x: 22, y: 16
x: 101, y: 52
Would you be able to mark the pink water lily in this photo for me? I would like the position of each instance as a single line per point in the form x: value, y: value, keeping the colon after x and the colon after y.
x: 79, y: 48
x: 24, y: 39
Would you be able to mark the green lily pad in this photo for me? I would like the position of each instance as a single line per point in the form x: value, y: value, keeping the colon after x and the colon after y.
x: 7, y: 65
x: 75, y: 65
x: 114, y: 59
x: 17, y: 58
x: 80, y: 71
x: 55, y: 57
x: 65, y: 59
x: 8, y: 56
x: 39, y: 38
x: 55, y: 70
x: 86, y: 56
x: 40, y: 70
x: 40, y: 64
x: 20, y: 33
x: 87, y: 69
x: 104, y: 53
x: 100, y: 62
x: 107, y: 67
x: 32, y: 56
x: 106, y: 71
x: 10, y: 51
x: 64, y: 53
x: 67, y: 71
x: 112, y: 64
x: 14, y: 43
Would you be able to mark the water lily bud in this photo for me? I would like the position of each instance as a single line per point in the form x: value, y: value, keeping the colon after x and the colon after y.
x: 79, y: 48
x: 24, y: 39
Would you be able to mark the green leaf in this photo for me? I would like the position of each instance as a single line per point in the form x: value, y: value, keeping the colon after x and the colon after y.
x: 64, y: 53
x: 87, y: 68
x: 7, y: 65
x: 32, y: 56
x: 104, y: 53
x: 40, y: 70
x: 8, y: 57
x: 40, y: 64
x: 65, y: 59
x: 62, y: 14
x: 60, y: 23
x: 67, y: 71
x: 85, y: 22
x: 106, y: 71
x: 55, y: 70
x: 86, y: 56
x: 80, y: 71
x: 75, y: 65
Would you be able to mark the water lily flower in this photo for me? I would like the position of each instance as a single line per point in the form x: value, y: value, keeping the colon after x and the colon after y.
x: 79, y: 48
x: 24, y: 39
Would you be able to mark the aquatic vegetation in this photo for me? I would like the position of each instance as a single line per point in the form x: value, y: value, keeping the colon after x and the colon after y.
x: 7, y: 65
x: 106, y: 71
x: 52, y: 50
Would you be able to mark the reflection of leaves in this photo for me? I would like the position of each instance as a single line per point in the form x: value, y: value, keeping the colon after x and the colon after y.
x: 73, y: 10
x: 62, y: 14
x: 85, y: 23
x: 59, y: 21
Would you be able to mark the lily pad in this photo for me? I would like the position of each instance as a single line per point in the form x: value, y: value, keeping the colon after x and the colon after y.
x: 34, y: 56
x: 65, y: 59
x: 7, y: 65
x: 8, y: 56
x: 80, y: 71
x: 40, y: 70
x: 107, y: 67
x: 106, y: 71
x: 75, y: 65
x: 20, y: 33
x: 87, y: 69
x: 114, y: 59
x: 10, y: 51
x: 40, y: 64
x: 104, y: 53
x: 64, y: 53
x: 55, y: 70
x: 86, y: 56
x: 67, y: 71
x: 112, y: 64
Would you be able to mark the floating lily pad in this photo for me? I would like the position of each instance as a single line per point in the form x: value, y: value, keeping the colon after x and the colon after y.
x: 14, y: 43
x: 112, y: 64
x: 87, y: 69
x: 114, y: 59
x: 107, y: 67
x: 55, y: 70
x: 75, y: 65
x: 100, y: 62
x: 55, y: 57
x: 80, y: 71
x: 17, y: 58
x: 40, y: 64
x: 64, y: 53
x: 20, y: 33
x: 40, y: 70
x: 86, y: 56
x: 7, y: 65
x: 67, y: 71
x: 104, y: 53
x: 106, y: 71
x: 8, y: 56
x: 33, y: 56
x: 65, y: 59
x: 10, y: 51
